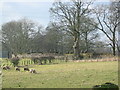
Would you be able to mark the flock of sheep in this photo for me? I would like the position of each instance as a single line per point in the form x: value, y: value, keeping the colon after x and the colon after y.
x: 18, y: 69
x: 40, y: 59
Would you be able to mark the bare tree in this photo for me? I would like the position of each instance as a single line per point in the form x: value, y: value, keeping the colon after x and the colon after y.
x: 16, y: 35
x: 70, y: 15
x: 107, y: 17
x: 89, y: 33
x: 118, y: 28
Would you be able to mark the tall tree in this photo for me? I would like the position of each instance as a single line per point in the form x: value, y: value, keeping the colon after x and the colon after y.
x: 16, y: 35
x: 53, y: 38
x: 107, y: 17
x: 70, y: 14
x: 37, y: 40
x: 89, y: 34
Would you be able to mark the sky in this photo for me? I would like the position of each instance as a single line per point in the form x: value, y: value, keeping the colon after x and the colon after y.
x: 35, y: 10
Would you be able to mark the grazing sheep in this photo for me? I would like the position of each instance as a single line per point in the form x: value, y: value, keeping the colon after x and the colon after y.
x: 4, y: 68
x: 7, y: 67
x: 26, y: 69
x: 33, y: 71
x: 17, y: 69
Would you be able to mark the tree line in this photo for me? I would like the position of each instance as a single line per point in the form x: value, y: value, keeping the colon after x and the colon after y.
x: 75, y: 28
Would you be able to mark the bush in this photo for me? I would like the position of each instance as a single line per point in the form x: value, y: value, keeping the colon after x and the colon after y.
x: 69, y: 56
x: 106, y: 86
x: 86, y: 55
x: 72, y: 57
x: 35, y: 59
x: 15, y: 61
x: 96, y: 55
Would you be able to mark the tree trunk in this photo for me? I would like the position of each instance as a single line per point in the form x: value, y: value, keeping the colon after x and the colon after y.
x: 118, y: 47
x: 86, y: 42
x: 113, y: 48
x: 76, y: 47
x: 77, y: 33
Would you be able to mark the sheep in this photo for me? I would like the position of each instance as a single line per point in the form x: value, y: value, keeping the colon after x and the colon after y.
x: 17, y: 69
x: 4, y: 68
x: 33, y: 71
x: 26, y: 69
x: 7, y: 67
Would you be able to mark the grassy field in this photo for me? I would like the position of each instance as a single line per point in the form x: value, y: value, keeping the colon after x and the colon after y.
x: 63, y: 75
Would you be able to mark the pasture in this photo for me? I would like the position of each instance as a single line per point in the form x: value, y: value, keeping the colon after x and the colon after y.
x: 62, y: 75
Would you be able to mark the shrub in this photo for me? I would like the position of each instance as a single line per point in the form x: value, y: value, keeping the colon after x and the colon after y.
x: 106, y: 86
x: 15, y: 61
x: 72, y: 57
x: 69, y: 57
x: 86, y: 55
x: 35, y: 59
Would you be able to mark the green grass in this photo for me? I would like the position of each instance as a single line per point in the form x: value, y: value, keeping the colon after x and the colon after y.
x: 63, y: 75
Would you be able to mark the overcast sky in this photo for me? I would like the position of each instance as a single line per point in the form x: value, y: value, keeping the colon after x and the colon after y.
x: 36, y: 10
